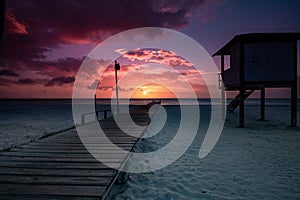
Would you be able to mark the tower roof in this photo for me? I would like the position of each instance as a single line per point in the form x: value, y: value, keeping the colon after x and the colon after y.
x: 257, y: 37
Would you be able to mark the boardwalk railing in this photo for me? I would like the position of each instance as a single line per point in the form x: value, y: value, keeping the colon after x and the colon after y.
x: 154, y: 101
x: 83, y: 116
x: 105, y: 112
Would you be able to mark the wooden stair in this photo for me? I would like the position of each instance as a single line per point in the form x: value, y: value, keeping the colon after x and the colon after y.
x: 237, y: 100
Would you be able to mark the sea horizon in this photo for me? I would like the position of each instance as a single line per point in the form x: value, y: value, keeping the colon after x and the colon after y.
x: 53, y: 99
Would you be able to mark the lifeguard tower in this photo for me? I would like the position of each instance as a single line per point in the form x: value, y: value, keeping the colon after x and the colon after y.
x: 258, y: 61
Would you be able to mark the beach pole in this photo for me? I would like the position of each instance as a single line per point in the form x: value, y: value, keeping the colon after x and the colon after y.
x: 117, y: 67
x: 262, y: 103
x: 95, y: 105
x: 294, y: 89
x: 242, y: 111
x: 294, y: 106
x: 242, y: 84
x: 223, y: 87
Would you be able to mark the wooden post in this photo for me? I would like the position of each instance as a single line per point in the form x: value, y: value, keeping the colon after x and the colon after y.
x: 262, y: 103
x: 105, y: 114
x: 242, y: 108
x: 294, y: 106
x: 294, y: 89
x: 95, y: 105
x: 242, y: 80
x: 223, y: 87
x: 222, y: 67
x: 82, y: 119
x: 117, y: 67
x: 117, y: 95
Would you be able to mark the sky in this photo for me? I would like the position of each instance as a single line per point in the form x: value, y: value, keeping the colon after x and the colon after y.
x: 45, y: 42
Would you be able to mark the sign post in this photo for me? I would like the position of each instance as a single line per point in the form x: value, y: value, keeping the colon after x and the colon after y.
x: 117, y: 67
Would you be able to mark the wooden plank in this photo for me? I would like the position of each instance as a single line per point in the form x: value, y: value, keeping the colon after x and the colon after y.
x: 52, y: 165
x: 96, y: 140
x: 107, y: 154
x: 55, y: 180
x: 60, y: 166
x: 58, y: 149
x: 58, y: 160
x: 57, y: 172
x: 92, y: 134
x: 61, y: 190
x: 119, y: 137
x: 88, y: 144
x: 66, y: 146
x: 105, y: 150
x: 43, y: 197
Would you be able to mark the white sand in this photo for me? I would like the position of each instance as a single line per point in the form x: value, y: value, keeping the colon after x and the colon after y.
x: 261, y: 161
x: 24, y: 122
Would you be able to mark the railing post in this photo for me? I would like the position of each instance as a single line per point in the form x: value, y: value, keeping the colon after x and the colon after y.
x: 262, y: 104
x: 82, y: 119
x: 294, y: 89
x: 294, y: 105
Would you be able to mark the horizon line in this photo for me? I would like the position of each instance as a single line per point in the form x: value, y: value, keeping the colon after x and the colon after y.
x: 165, y: 98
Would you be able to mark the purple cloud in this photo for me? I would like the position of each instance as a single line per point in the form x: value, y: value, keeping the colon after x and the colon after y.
x: 8, y: 72
x: 59, y: 81
x: 26, y: 81
x: 33, y: 27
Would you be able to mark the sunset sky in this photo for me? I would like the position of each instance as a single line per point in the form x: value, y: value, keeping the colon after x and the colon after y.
x: 45, y: 42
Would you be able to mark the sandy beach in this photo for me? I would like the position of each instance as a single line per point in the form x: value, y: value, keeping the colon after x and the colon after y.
x: 260, y: 161
x: 25, y: 121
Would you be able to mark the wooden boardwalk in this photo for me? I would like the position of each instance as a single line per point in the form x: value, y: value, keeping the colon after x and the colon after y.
x: 60, y: 167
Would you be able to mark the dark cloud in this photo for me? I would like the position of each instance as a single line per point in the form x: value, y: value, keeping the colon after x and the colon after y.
x: 70, y: 20
x: 59, y: 81
x: 30, y: 81
x: 27, y: 81
x: 34, y: 27
x: 5, y: 82
x: 8, y: 72
x: 96, y: 84
x: 21, y: 81
x: 104, y: 87
x: 65, y: 66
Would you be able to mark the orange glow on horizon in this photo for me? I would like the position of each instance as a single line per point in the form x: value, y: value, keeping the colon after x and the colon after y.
x: 151, y: 66
x: 152, y: 91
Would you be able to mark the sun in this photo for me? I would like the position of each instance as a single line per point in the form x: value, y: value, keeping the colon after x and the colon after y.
x: 152, y: 91
x: 145, y: 92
